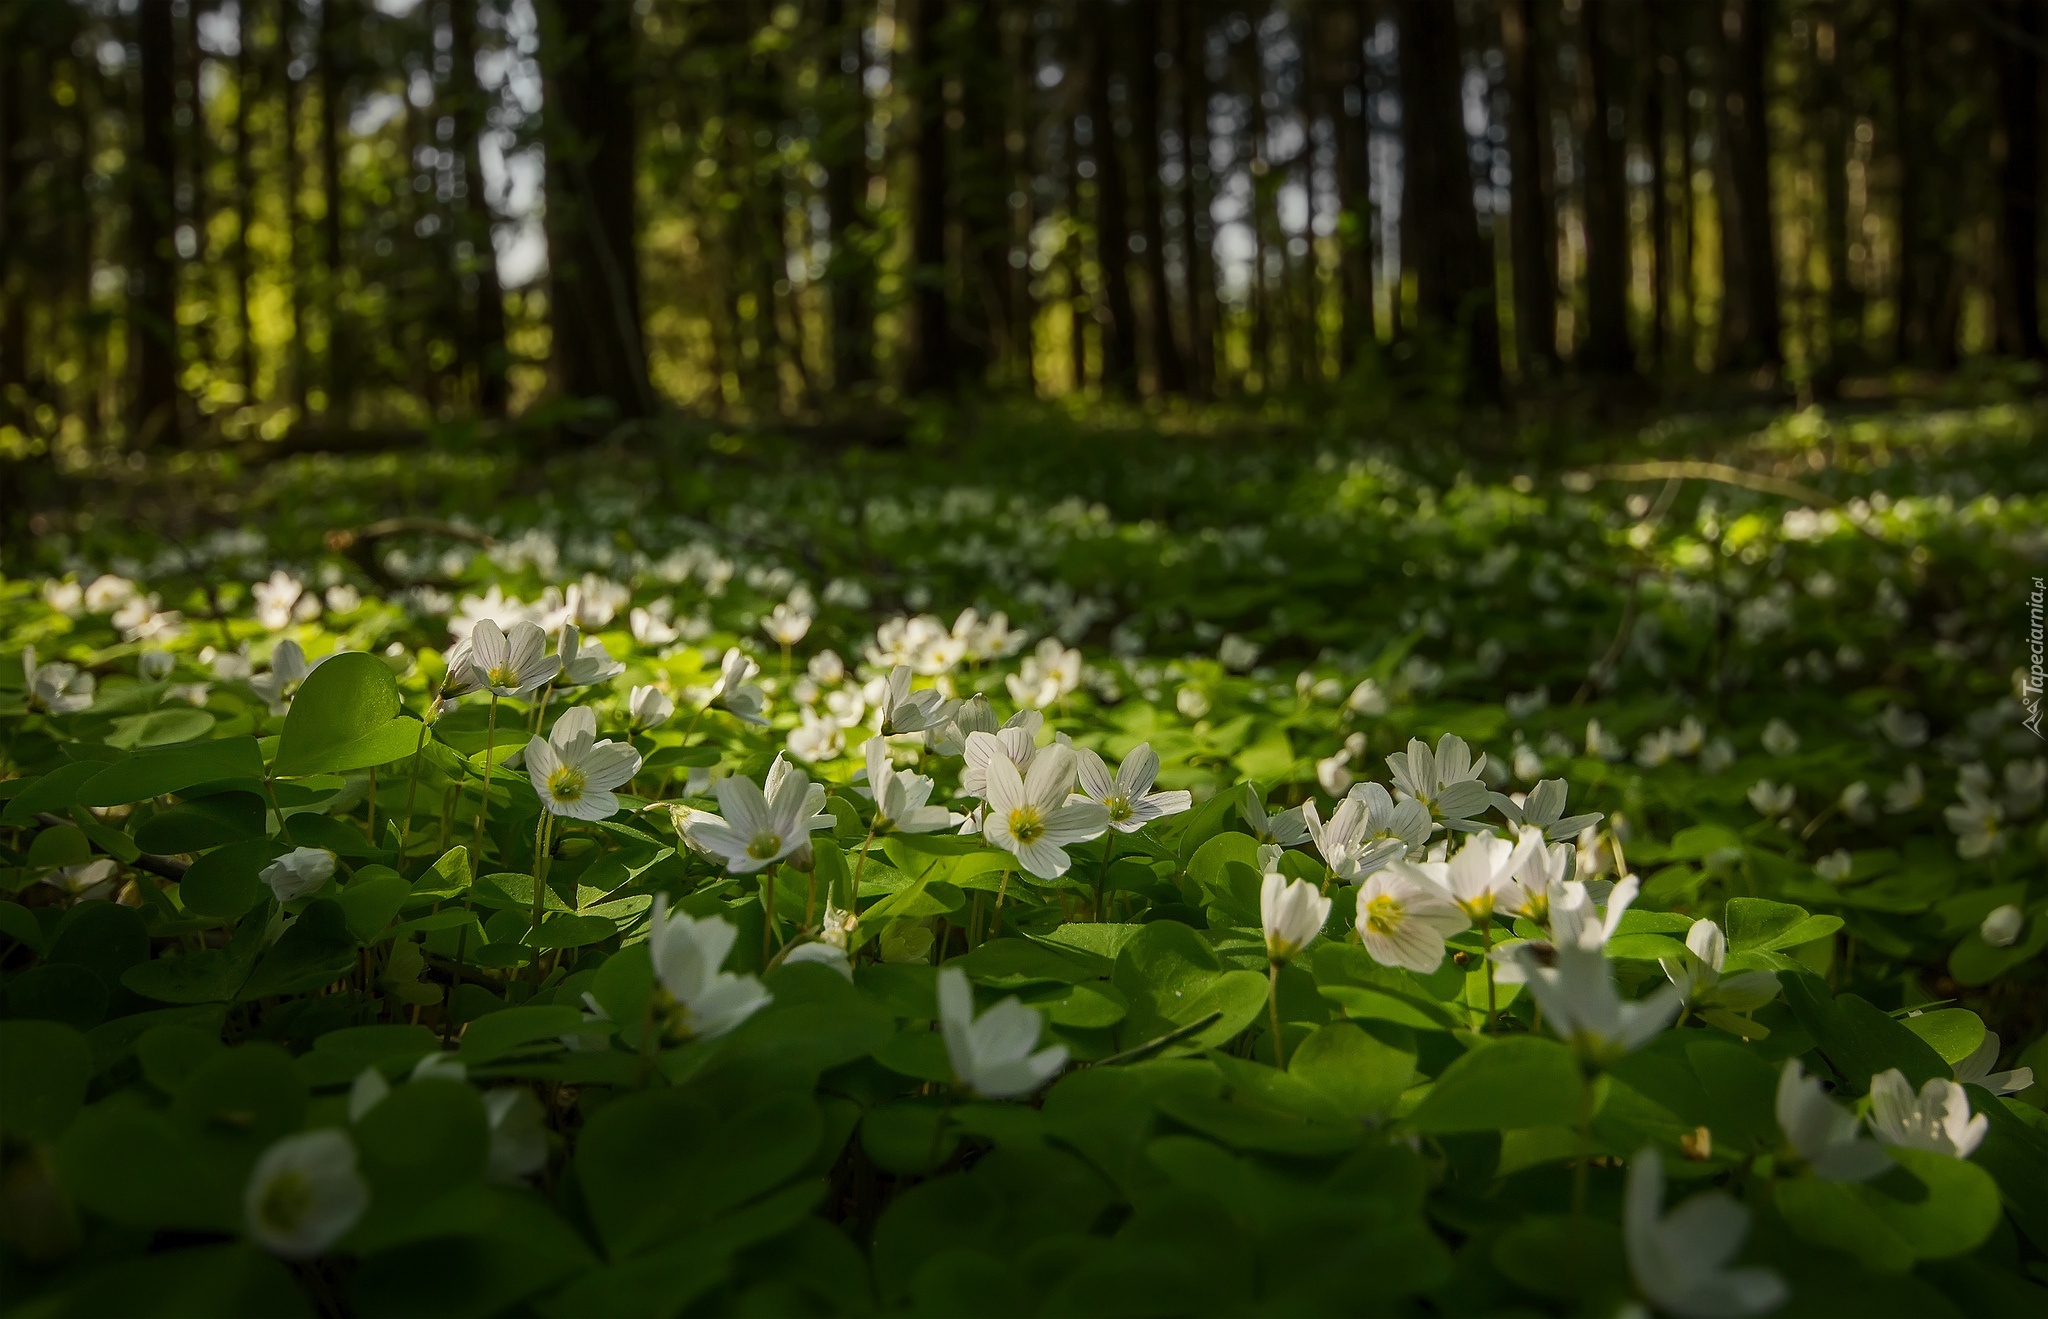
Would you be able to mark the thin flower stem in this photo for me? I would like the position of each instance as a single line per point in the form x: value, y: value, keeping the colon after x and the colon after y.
x: 767, y: 911
x: 1486, y: 942
x: 484, y: 800
x: 412, y: 789
x: 1273, y: 1012
x: 1102, y: 875
x: 540, y: 711
x: 1576, y: 1265
x: 543, y: 845
x: 1002, y: 889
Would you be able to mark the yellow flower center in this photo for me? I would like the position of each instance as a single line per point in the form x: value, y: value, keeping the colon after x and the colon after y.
x: 566, y: 784
x: 1119, y: 807
x: 1384, y: 914
x: 287, y: 1200
x: 1026, y: 824
x: 504, y: 676
x: 764, y: 846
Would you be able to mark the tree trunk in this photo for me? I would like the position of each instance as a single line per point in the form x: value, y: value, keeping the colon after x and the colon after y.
x: 594, y: 285
x: 1198, y: 267
x: 1661, y: 69
x: 2019, y: 59
x: 1169, y: 368
x: 853, y: 353
x: 484, y: 346
x: 1531, y: 213
x: 1117, y: 316
x: 1747, y: 26
x: 289, y: 89
x: 245, y: 198
x: 1607, y: 349
x: 17, y: 65
x: 153, y: 286
x: 932, y: 368
x: 1351, y: 120
x: 1841, y: 316
x: 1453, y: 268
x: 328, y: 60
x: 1906, y: 340
x: 1018, y: 136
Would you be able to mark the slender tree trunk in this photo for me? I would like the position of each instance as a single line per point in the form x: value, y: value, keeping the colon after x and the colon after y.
x: 153, y: 286
x: 1350, y: 117
x: 2019, y: 60
x: 17, y: 66
x: 1453, y: 268
x: 1748, y: 28
x: 1117, y: 315
x: 1198, y: 269
x: 1906, y: 342
x: 339, y: 382
x: 289, y: 93
x: 1169, y: 368
x: 853, y: 354
x: 1018, y: 137
x: 1079, y: 303
x: 593, y: 232
x: 1251, y: 71
x: 1661, y: 72
x: 485, y: 341
x: 1607, y: 349
x: 245, y: 198
x: 1531, y: 215
x: 1831, y: 124
x: 932, y: 368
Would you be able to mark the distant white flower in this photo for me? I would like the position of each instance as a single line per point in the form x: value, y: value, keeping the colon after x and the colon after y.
x: 816, y: 738
x: 1698, y: 973
x: 304, y: 1194
x: 107, y: 593
x: 901, y: 798
x: 1046, y: 676
x: 1403, y: 921
x: 299, y: 872
x: 1976, y: 1069
x: 1936, y: 1119
x: 1538, y: 879
x: 1032, y: 818
x: 288, y: 668
x: 1902, y: 728
x: 826, y: 668
x: 1128, y: 797
x: 1680, y: 1261
x: 992, y: 1055
x: 1528, y: 765
x: 141, y: 620
x: 283, y: 600
x: 1718, y: 755
x: 343, y: 599
x: 1779, y: 739
x: 574, y: 772
x: 648, y: 707
x: 688, y: 954
x: 1447, y: 780
x: 654, y: 626
x: 1821, y: 1132
x: 1367, y: 832
x: 1288, y: 828
x: 155, y: 665
x: 585, y: 660
x: 758, y: 828
x: 1771, y: 800
x: 1975, y: 820
x: 1333, y: 773
x: 1836, y: 866
x: 993, y: 639
x: 92, y: 879
x: 735, y: 689
x: 512, y: 663
x: 2002, y: 927
x: 57, y: 687
x: 846, y: 705
x: 786, y: 626
x: 1293, y: 915
x: 1237, y: 653
x: 1191, y: 703
x: 66, y: 597
x: 594, y: 601
x: 1602, y: 744
x: 519, y: 1135
x: 1574, y: 985
x: 1854, y: 802
x: 1907, y: 793
x: 904, y: 710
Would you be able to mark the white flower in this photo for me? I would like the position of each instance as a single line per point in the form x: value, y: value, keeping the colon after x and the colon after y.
x: 733, y: 688
x: 574, y: 773
x: 826, y: 668
x: 1192, y: 703
x: 139, y: 619
x: 1698, y: 974
x: 155, y: 665
x: 901, y: 798
x: 66, y: 597
x: 687, y: 955
x: 1976, y: 1069
x: 1403, y: 921
x: 1576, y: 920
x: 107, y: 593
x: 304, y: 1194
x: 1446, y: 781
x: 757, y: 829
x: 1975, y: 819
x: 279, y: 600
x: 1854, y: 802
x: 1032, y: 818
x: 1602, y: 744
x: 512, y: 663
x: 648, y: 707
x: 595, y: 601
x: 1574, y: 985
x: 1823, y: 1133
x: 1907, y: 793
x: 1293, y: 915
x: 654, y: 626
x: 2002, y: 927
x: 1680, y: 1261
x: 824, y: 954
x: 585, y: 661
x: 1237, y: 653
x: 343, y: 599
x: 92, y: 879
x: 1367, y: 832
x: 1288, y: 828
x: 846, y: 706
x: 1902, y: 728
x: 994, y: 639
x: 1367, y: 699
x: 1718, y: 755
x: 299, y: 872
x: 1333, y: 773
x: 1770, y: 800
x: 1046, y: 676
x: 816, y: 738
x: 1128, y: 797
x: 1937, y: 1119
x: 1836, y: 866
x: 56, y: 687
x: 786, y: 626
x: 288, y: 668
x: 519, y: 1135
x: 1014, y: 742
x: 955, y: 721
x: 439, y: 1067
x: 1779, y: 739
x: 367, y: 1091
x: 1482, y: 871
x: 992, y: 1055
x: 904, y: 710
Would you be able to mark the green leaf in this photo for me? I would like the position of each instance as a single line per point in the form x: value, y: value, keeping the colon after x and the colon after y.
x: 242, y: 1099
x: 227, y: 1281
x: 43, y: 1082
x: 55, y: 791
x: 64, y: 992
x: 171, y: 769
x: 571, y: 932
x: 1944, y: 1207
x: 20, y: 924
x: 1858, y: 1039
x: 191, y: 826
x: 160, y: 728
x: 1760, y: 925
x: 1518, y: 1081
x: 1954, y: 1033
x: 501, y: 1033
x: 315, y: 950
x: 227, y: 881
x: 346, y: 716
x: 1171, y: 977
x: 447, y: 878
x: 1362, y: 1068
x: 371, y: 899
x: 135, y: 1167
x: 424, y: 1139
